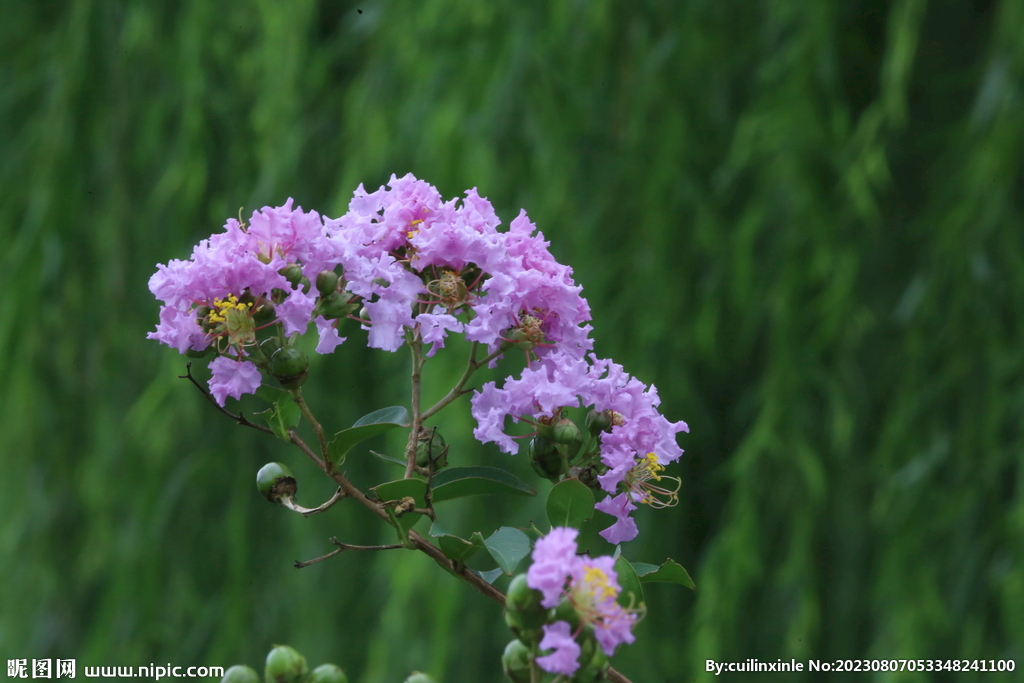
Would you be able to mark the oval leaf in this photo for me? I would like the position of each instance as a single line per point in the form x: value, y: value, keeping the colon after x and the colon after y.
x: 396, y: 415
x: 632, y: 594
x: 283, y: 414
x: 570, y: 503
x: 670, y: 571
x: 508, y: 547
x: 458, y: 482
x: 366, y: 427
x: 453, y: 547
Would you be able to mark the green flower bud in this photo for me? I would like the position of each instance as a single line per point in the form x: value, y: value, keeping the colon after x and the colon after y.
x: 594, y: 662
x: 289, y: 366
x: 565, y: 431
x: 326, y: 282
x: 336, y: 305
x: 524, y: 614
x: 306, y: 284
x: 285, y: 665
x: 202, y: 312
x: 431, y: 449
x: 521, y: 598
x: 275, y: 481
x: 381, y: 281
x: 240, y: 674
x: 292, y: 273
x: 419, y: 677
x: 564, y: 611
x: 264, y: 313
x: 516, y: 662
x: 269, y: 345
x: 327, y: 673
x: 545, y: 458
x: 364, y: 313
x: 598, y: 422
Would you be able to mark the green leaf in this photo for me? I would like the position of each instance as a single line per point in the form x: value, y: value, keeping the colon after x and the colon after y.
x: 570, y: 503
x: 488, y: 576
x: 670, y: 571
x: 508, y: 547
x: 453, y: 547
x: 388, y: 458
x: 283, y: 414
x: 397, y: 490
x: 396, y: 415
x: 366, y: 427
x: 632, y: 594
x: 458, y: 482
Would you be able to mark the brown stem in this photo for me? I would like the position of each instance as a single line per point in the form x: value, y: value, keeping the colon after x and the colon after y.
x: 472, y: 366
x: 240, y: 419
x: 416, y: 346
x: 342, y: 547
x: 317, y: 428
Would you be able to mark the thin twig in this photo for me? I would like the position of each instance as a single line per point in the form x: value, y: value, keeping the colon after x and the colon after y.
x: 343, y: 547
x: 416, y: 346
x: 317, y: 428
x: 472, y: 366
x: 287, y: 502
x: 240, y: 419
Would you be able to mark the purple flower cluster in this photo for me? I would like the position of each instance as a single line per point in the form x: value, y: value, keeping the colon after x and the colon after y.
x: 591, y: 586
x: 641, y: 441
x: 411, y: 260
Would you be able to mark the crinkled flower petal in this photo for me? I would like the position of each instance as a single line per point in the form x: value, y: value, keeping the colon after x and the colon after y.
x: 554, y: 559
x: 565, y: 658
x: 329, y: 339
x: 233, y: 378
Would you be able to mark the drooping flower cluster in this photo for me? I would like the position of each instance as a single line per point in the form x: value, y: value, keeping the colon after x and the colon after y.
x: 591, y: 587
x: 633, y: 452
x: 408, y: 259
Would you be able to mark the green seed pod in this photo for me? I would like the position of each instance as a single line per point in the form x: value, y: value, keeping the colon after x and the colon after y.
x: 545, y: 458
x: 285, y: 665
x: 326, y: 282
x: 240, y: 674
x: 431, y: 448
x: 598, y: 422
x: 419, y: 677
x: 327, y: 673
x: 264, y: 313
x: 292, y: 273
x: 565, y: 431
x: 289, y: 366
x: 305, y: 284
x: 336, y: 305
x: 516, y: 662
x: 364, y: 313
x: 275, y: 481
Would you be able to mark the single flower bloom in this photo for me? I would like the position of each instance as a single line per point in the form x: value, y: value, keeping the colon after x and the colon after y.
x: 233, y: 377
x: 554, y: 560
x: 565, y: 658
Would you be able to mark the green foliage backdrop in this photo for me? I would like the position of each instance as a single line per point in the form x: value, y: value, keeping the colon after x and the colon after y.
x: 800, y: 219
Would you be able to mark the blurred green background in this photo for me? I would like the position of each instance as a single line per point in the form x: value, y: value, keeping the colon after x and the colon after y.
x: 800, y: 219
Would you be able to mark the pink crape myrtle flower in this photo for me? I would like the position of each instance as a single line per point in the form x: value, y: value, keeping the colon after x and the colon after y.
x: 402, y: 245
x: 641, y: 441
x: 591, y: 586
x: 233, y: 378
x: 565, y: 658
